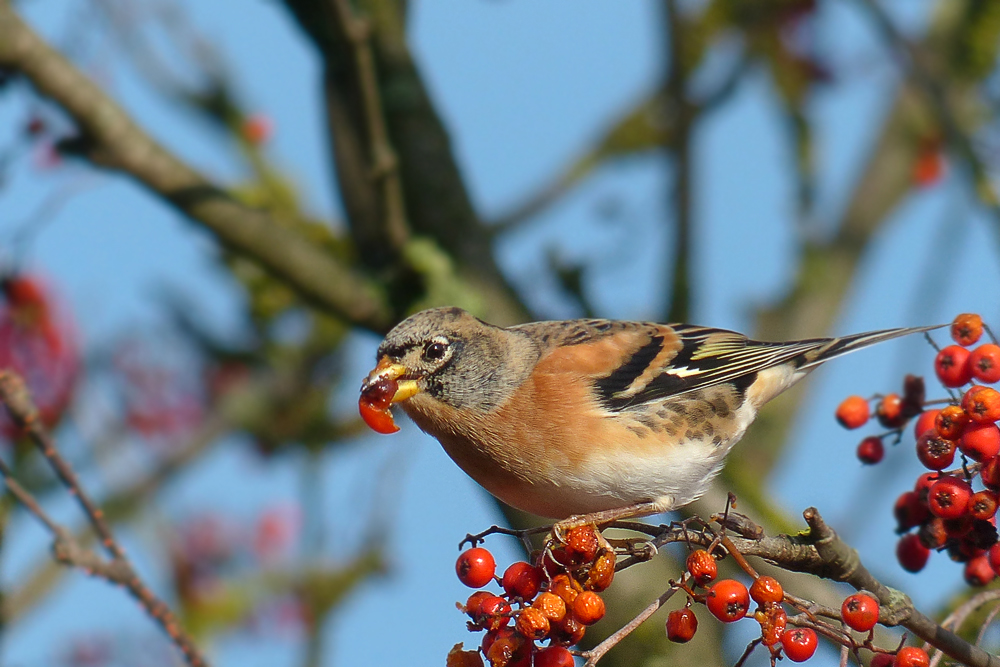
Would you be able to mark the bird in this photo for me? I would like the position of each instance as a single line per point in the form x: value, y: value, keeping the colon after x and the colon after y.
x: 589, y: 420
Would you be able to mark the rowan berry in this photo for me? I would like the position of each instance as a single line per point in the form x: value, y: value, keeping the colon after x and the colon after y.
x: 799, y: 644
x: 522, y: 580
x: 926, y: 420
x: 551, y: 605
x: 871, y: 450
x: 978, y: 571
x: 993, y: 557
x: 581, y: 544
x: 980, y: 442
x: 494, y: 613
x: 565, y: 587
x: 990, y: 473
x: 532, y: 623
x: 966, y: 329
x: 602, y: 572
x: 949, y: 497
x: 569, y: 631
x: 911, y: 656
x: 554, y: 656
x: 950, y: 421
x: 588, y: 608
x: 909, y: 511
x: 508, y: 650
x: 766, y: 590
x: 933, y: 534
x: 985, y: 363
x: 773, y: 622
x: 934, y: 452
x: 882, y: 660
x: 256, y: 129
x: 728, y: 600
x: 924, y: 484
x: 473, y: 606
x: 860, y: 612
x: 702, y: 567
x: 681, y: 625
x: 494, y: 635
x: 983, y: 505
x: 911, y: 554
x: 853, y: 412
x: 982, y: 404
x: 475, y: 567
x: 890, y: 411
x: 952, y: 367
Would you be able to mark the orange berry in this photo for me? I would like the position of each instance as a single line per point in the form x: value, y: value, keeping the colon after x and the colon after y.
x: 702, y: 567
x: 950, y: 422
x: 581, y: 544
x: 966, y: 329
x: 890, y: 411
x: 257, y: 129
x: 799, y: 643
x: 853, y: 412
x: 982, y: 404
x: 565, y: 588
x: 985, y: 363
x: 551, y: 605
x: 983, y: 505
x: 773, y: 621
x: 588, y: 608
x: 602, y: 572
x: 532, y: 623
x: 766, y: 590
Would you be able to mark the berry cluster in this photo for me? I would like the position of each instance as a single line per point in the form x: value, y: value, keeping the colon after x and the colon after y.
x: 948, y: 512
x: 728, y: 600
x: 554, y: 599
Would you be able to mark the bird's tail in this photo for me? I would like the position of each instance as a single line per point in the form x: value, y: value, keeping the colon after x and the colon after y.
x: 837, y: 347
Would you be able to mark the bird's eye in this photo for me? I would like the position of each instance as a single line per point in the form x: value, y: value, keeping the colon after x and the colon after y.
x: 435, y: 351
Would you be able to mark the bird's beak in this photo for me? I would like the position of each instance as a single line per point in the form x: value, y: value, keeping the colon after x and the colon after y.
x: 406, y: 387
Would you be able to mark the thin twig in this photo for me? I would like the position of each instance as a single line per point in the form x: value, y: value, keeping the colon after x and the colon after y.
x: 596, y: 653
x: 15, y: 396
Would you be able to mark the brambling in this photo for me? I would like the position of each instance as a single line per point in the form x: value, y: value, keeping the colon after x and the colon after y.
x: 596, y: 420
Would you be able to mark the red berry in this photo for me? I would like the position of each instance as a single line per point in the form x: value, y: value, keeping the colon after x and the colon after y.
x: 978, y: 571
x: 773, y: 622
x: 588, y: 608
x: 581, y: 544
x: 966, y: 329
x: 990, y: 473
x: 949, y: 497
x: 933, y: 533
x: 982, y: 404
x: 911, y: 656
x: 911, y: 554
x: 950, y: 422
x: 702, y: 567
x: 980, y: 442
x: 473, y: 606
x: 983, y: 505
x: 985, y: 363
x: 766, y: 590
x: 681, y: 625
x: 522, y: 580
x: 882, y: 660
x: 475, y: 567
x: 257, y: 129
x: 993, y: 557
x: 890, y: 411
x: 924, y: 484
x: 799, y: 644
x: 909, y: 511
x: 934, y: 452
x: 853, y: 412
x: 728, y: 600
x: 860, y: 612
x: 871, y: 450
x: 554, y: 656
x: 490, y: 637
x: 925, y: 421
x: 951, y: 366
x: 494, y: 613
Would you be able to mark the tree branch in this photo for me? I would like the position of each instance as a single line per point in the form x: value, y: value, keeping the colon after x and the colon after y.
x: 109, y: 138
x: 118, y: 569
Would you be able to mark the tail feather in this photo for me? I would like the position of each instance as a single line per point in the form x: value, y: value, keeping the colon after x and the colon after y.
x: 837, y: 347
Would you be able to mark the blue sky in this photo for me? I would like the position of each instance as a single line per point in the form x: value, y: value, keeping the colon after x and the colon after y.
x: 523, y: 86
